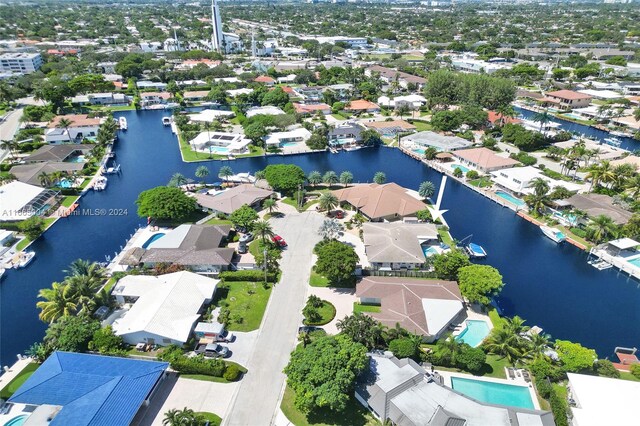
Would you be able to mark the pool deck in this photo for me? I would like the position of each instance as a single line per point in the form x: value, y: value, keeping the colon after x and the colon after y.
x: 137, y: 239
x: 472, y: 313
x: 14, y: 371
x: 518, y: 381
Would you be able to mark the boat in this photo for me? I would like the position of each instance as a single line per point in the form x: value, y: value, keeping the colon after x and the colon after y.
x: 599, y: 264
x: 618, y: 133
x: 100, y: 184
x: 612, y: 141
x: 554, y: 234
x: 166, y: 121
x: 2, y: 271
x: 123, y: 123
x: 475, y: 251
x: 24, y: 259
x: 112, y: 170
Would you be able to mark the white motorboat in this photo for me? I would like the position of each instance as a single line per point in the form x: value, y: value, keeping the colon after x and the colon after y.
x: 24, y: 259
x: 100, y: 184
x: 112, y: 170
x: 612, y: 141
x: 618, y: 133
x: 166, y: 121
x: 123, y: 123
x: 554, y: 234
x: 475, y: 251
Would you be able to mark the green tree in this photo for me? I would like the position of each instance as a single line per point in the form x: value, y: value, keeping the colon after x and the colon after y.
x: 273, y: 256
x: 328, y: 202
x: 405, y: 347
x: 330, y: 178
x: 105, y: 341
x: 470, y: 359
x: 317, y: 141
x: 32, y: 227
x: 165, y: 203
x: 244, y: 217
x: 600, y: 228
x: 263, y: 229
x: 276, y: 97
x: 362, y: 329
x: 315, y: 178
x: 202, y: 172
x: 225, y: 172
x: 71, y: 333
x: 184, y: 417
x: 446, y: 265
x: 323, y: 373
x: 177, y: 179
x: 430, y: 153
x: 346, y: 178
x: 58, y: 302
x: 336, y: 261
x: 457, y: 172
x: 574, y: 356
x: 65, y: 123
x: 380, y: 178
x: 285, y: 178
x: 427, y: 189
x: 635, y: 370
x: 479, y: 283
x: 505, y: 344
x: 270, y: 205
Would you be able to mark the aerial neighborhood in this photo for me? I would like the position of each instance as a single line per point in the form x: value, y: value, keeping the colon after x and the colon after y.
x: 319, y: 213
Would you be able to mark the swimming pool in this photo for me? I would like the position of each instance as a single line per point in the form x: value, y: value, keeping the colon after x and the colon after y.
x: 506, y: 196
x: 17, y: 421
x: 635, y: 262
x: 289, y: 144
x: 152, y: 238
x: 218, y: 150
x: 77, y: 159
x: 494, y: 393
x: 65, y: 183
x: 474, y: 333
x: 429, y: 251
x: 459, y: 166
x: 418, y: 151
x: 574, y: 116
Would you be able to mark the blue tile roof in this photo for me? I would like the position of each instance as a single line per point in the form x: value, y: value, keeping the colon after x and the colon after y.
x: 93, y: 390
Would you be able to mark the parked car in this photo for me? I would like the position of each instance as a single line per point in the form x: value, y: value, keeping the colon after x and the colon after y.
x: 279, y: 241
x: 338, y: 214
x: 309, y: 329
x: 243, y: 247
x: 212, y: 350
x: 226, y: 336
x: 245, y: 238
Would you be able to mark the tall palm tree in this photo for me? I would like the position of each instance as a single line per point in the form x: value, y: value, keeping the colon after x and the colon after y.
x: 83, y: 290
x: 58, y: 302
x: 543, y: 118
x: 602, y: 227
x: 505, y: 112
x: 328, y: 202
x: 177, y: 179
x: 314, y: 178
x: 632, y: 187
x: 45, y: 179
x: 9, y: 145
x: 270, y: 204
x: 505, y: 344
x: 427, y: 189
x: 202, y: 172
x: 330, y: 178
x: 539, y: 344
x: 225, y: 172
x: 65, y: 123
x: 346, y: 178
x: 82, y: 267
x: 515, y: 325
x: 540, y: 186
x: 263, y: 229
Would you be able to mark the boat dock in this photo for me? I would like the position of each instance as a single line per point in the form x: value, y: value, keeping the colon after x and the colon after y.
x: 604, y: 257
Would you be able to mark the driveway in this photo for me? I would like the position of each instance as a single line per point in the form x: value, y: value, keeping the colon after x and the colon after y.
x: 358, y: 245
x: 256, y: 400
x: 241, y: 346
x: 341, y: 298
x: 177, y: 392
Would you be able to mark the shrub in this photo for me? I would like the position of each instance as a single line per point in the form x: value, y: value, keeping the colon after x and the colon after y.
x: 404, y: 348
x: 635, y: 370
x: 544, y: 387
x: 559, y: 409
x: 198, y: 365
x: 472, y: 174
x: 471, y: 359
x: 542, y: 368
x: 231, y: 373
x: 579, y: 232
x: 605, y: 368
x: 253, y: 276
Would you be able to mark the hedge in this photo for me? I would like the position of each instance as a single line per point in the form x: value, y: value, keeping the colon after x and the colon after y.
x: 231, y: 373
x: 199, y: 365
x: 544, y: 387
x: 250, y: 275
x: 559, y: 409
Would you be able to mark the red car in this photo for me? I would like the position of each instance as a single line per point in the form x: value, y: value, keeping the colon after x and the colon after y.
x: 279, y: 241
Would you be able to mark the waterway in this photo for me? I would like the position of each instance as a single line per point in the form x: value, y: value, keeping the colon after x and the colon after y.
x: 549, y: 285
x: 629, y: 144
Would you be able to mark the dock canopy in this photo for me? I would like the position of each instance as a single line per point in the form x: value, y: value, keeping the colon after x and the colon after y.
x: 624, y: 243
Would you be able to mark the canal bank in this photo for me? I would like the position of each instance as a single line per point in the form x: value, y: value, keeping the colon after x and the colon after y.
x: 549, y: 285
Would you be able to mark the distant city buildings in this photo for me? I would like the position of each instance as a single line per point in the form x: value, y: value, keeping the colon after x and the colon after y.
x: 20, y: 62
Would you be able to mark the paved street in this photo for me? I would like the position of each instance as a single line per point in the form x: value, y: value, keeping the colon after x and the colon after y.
x: 257, y: 398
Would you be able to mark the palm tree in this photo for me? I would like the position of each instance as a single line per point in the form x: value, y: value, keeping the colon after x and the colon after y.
x: 314, y: 178
x: 430, y: 153
x: 81, y: 267
x: 45, y: 179
x: 9, y: 145
x: 505, y: 344
x: 65, y: 123
x: 202, y: 172
x: 515, y: 325
x: 505, y: 112
x: 539, y: 185
x: 330, y: 229
x: 636, y: 114
x: 380, y: 178
x: 83, y: 291
x: 346, y: 178
x: 403, y: 109
x: 601, y: 227
x: 539, y: 344
x: 259, y: 174
x: 225, y: 172
x: 177, y: 179
x: 632, y: 187
x: 427, y: 189
x: 330, y: 178
x: 543, y: 118
x: 58, y: 302
x: 184, y: 417
x: 270, y: 204
x: 263, y: 229
x: 7, y: 178
x: 328, y: 202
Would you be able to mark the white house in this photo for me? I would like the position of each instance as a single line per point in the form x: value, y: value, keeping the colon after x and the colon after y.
x: 80, y: 127
x: 518, y: 179
x: 280, y: 139
x: 220, y: 143
x: 264, y: 110
x: 470, y: 64
x: 411, y: 101
x: 101, y: 99
x: 19, y: 201
x: 163, y: 309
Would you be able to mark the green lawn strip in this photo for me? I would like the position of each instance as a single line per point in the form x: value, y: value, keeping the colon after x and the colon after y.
x: 317, y: 280
x: 68, y: 200
x: 327, y: 313
x: 625, y: 375
x: 354, y: 414
x: 421, y: 127
x: 23, y: 243
x: 189, y: 155
x: 14, y: 384
x: 212, y: 418
x: 357, y: 307
x: 293, y: 203
x: 482, y: 182
x: 246, y: 302
x: 494, y: 366
x: 573, y: 236
x: 445, y: 236
x: 216, y: 221
x: 495, y: 318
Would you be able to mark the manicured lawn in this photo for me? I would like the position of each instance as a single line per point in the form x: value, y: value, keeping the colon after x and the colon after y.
x: 353, y: 415
x: 13, y: 385
x: 495, y: 318
x: 625, y: 375
x: 246, y: 301
x: 445, y: 236
x: 216, y: 221
x: 212, y: 418
x: 292, y: 202
x: 573, y: 236
x: 69, y: 200
x: 421, y: 127
x: 190, y: 155
x: 357, y: 307
x: 482, y: 182
x: 318, y: 280
x: 26, y: 241
x: 327, y: 313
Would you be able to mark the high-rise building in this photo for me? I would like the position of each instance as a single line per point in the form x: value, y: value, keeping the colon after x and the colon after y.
x: 217, y: 37
x: 20, y: 63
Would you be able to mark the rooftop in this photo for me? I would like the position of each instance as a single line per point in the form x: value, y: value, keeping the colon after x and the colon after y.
x: 232, y: 199
x: 436, y: 140
x: 16, y: 196
x: 30, y: 173
x: 77, y: 120
x: 484, y: 158
x: 361, y: 105
x: 568, y: 94
x: 379, y: 201
x: 397, y: 242
x: 600, y: 204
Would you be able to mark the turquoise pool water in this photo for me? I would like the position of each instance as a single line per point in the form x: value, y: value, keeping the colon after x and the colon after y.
x: 474, y: 333
x: 429, y: 251
x: 459, y: 166
x: 635, y: 262
x: 17, y: 421
x: 219, y: 150
x: 77, y: 159
x: 289, y: 144
x: 494, y: 393
x: 510, y: 198
x: 574, y: 116
x: 419, y: 151
x: 153, y: 238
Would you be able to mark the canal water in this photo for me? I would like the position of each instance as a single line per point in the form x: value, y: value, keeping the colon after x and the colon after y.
x: 589, y: 132
x: 548, y: 285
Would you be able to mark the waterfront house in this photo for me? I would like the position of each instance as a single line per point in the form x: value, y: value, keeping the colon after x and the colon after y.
x: 264, y: 110
x: 160, y: 310
x: 81, y: 127
x: 423, y: 307
x: 390, y: 128
x: 567, y: 99
x: 401, y: 391
x: 422, y: 140
x: 19, y: 201
x: 597, y: 205
x: 220, y: 143
x: 412, y: 102
x: 154, y: 98
x: 266, y: 80
x: 518, y: 179
x: 195, y: 95
x: 210, y: 115
x: 85, y: 389
x: 397, y: 245
x: 232, y: 199
x: 281, y: 139
x: 59, y: 153
x: 387, y: 202
x: 596, y: 401
x: 483, y: 159
x: 112, y: 99
x: 345, y: 133
x: 33, y: 173
x: 310, y: 109
x: 361, y: 106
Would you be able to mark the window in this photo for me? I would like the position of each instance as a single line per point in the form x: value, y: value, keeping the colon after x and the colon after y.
x: 166, y: 341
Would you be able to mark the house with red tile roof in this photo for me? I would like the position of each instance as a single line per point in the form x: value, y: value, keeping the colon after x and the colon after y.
x: 497, y: 119
x: 568, y: 99
x: 265, y: 79
x: 310, y: 109
x: 361, y: 106
x: 484, y: 160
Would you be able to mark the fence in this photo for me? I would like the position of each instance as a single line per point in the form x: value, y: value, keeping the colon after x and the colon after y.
x: 398, y: 273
